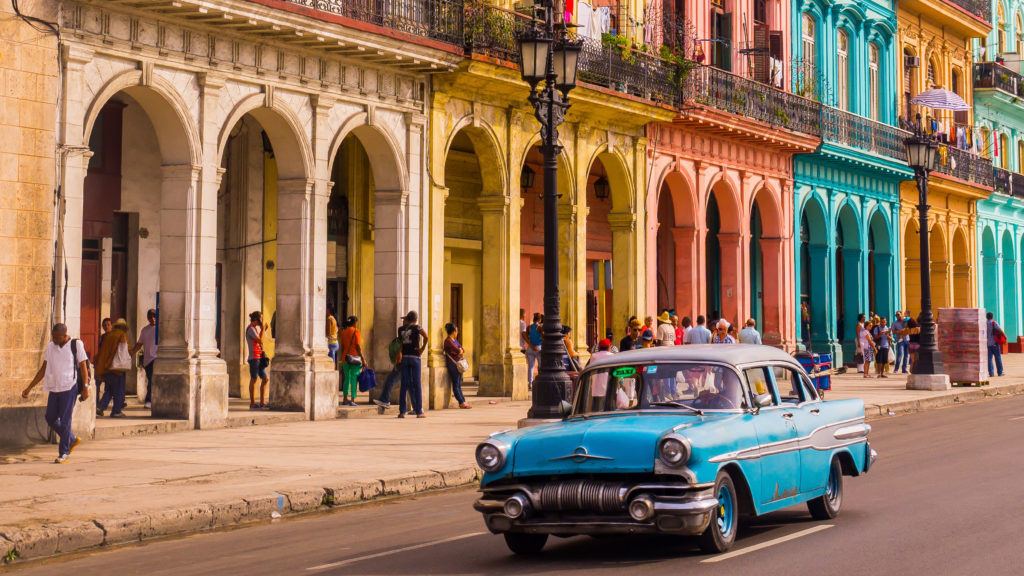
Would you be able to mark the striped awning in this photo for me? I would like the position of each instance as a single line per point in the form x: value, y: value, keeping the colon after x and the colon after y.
x: 940, y: 99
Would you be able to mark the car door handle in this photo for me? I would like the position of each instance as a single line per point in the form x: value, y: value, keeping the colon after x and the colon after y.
x: 815, y: 411
x: 788, y: 415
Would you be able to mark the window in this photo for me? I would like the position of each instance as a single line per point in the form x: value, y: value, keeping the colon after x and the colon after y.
x: 1003, y: 152
x: 788, y: 382
x: 1001, y: 46
x: 932, y: 79
x: 1019, y: 29
x: 758, y: 382
x: 671, y: 386
x: 843, y: 69
x: 874, y: 91
x: 1020, y: 154
x: 807, y: 33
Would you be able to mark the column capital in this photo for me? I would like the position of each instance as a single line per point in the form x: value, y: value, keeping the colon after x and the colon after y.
x: 211, y: 81
x: 567, y: 211
x: 321, y: 103
x: 622, y: 221
x: 494, y: 204
x: 391, y: 197
x: 295, y: 186
x: 683, y: 233
x: 180, y: 171
x: 75, y: 54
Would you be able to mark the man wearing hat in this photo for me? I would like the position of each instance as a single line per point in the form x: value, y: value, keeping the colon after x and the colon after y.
x: 666, y: 330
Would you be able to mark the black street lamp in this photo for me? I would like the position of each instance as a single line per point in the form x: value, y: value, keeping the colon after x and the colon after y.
x: 923, y: 157
x: 547, y: 54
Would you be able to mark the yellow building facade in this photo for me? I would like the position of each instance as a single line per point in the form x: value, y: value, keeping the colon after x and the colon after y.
x: 935, y: 48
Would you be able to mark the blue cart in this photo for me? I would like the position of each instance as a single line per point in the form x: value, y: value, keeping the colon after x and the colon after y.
x: 816, y: 364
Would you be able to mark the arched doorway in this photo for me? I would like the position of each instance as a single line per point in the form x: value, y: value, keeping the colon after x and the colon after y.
x: 475, y: 216
x: 814, y: 316
x: 880, y: 267
x: 962, y: 297
x: 989, y: 271
x: 939, y: 268
x: 1010, y: 288
x: 724, y: 270
x: 766, y: 267
x: 134, y: 222
x: 611, y: 241
x: 676, y: 241
x: 261, y: 241
x: 848, y: 266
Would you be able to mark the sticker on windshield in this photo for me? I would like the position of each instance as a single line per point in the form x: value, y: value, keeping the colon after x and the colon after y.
x: 650, y: 369
x: 624, y: 372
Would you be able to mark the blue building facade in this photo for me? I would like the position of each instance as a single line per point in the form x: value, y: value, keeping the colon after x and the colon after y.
x: 847, y: 193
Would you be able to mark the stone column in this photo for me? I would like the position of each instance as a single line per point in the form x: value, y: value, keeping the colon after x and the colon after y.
x: 687, y: 278
x: 773, y: 330
x: 853, y: 266
x: 500, y: 318
x: 438, y: 385
x: 883, y: 274
x: 302, y: 378
x: 572, y: 281
x: 822, y: 282
x: 391, y: 277
x: 734, y: 276
x: 189, y: 380
x: 625, y: 271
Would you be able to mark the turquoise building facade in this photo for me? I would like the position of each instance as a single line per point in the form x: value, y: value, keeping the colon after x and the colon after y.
x: 999, y: 114
x: 847, y: 193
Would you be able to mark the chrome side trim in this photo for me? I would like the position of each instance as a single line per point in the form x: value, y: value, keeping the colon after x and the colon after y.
x: 848, y: 432
x: 818, y: 439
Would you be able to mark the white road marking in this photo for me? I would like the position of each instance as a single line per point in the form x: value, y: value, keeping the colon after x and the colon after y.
x: 396, y: 551
x: 764, y: 545
x: 1017, y: 418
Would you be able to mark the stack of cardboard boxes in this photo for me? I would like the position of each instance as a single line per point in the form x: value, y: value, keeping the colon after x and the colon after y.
x: 962, y: 342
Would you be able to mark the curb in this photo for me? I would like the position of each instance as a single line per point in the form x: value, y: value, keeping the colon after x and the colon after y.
x: 78, y: 536
x: 952, y: 398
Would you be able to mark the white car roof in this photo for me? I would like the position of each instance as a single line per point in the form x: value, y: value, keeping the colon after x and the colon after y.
x: 734, y: 354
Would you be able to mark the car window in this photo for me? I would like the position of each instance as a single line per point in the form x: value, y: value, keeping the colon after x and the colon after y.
x: 788, y: 382
x: 758, y: 382
x: 669, y: 385
x: 810, y: 392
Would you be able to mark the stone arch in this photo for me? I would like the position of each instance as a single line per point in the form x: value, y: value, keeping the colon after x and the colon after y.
x: 938, y: 252
x: 294, y: 160
x: 849, y: 258
x: 989, y: 270
x: 487, y: 144
x: 962, y: 271
x: 813, y: 277
x: 1010, y: 289
x: 912, y: 269
x: 389, y: 172
x: 675, y: 241
x: 568, y: 185
x: 881, y: 264
x: 767, y: 255
x: 617, y: 168
x: 176, y: 131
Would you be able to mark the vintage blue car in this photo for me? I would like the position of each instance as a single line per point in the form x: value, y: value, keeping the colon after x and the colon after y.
x: 678, y: 440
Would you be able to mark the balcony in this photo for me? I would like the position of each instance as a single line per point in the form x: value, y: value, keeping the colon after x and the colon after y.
x: 1009, y: 183
x: 966, y: 166
x: 436, y: 19
x: 841, y: 127
x: 725, y: 91
x: 999, y: 77
x: 981, y: 9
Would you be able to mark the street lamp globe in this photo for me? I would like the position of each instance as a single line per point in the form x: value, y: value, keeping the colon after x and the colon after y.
x: 566, y: 63
x: 534, y: 48
x: 922, y: 152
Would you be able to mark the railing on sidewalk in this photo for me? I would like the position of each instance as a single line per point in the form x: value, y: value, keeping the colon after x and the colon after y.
x: 966, y: 166
x: 994, y: 75
x: 842, y: 127
x: 437, y: 19
x: 731, y: 93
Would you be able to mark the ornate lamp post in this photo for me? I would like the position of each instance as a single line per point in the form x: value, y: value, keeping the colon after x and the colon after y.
x: 927, y: 371
x: 547, y: 54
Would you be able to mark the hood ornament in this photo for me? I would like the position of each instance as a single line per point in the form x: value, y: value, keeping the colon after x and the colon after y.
x: 580, y: 455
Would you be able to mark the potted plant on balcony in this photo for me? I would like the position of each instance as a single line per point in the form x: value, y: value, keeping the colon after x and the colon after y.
x: 782, y: 117
x: 679, y: 66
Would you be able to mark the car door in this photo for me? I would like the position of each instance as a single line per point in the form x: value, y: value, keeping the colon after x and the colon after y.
x: 801, y: 400
x: 778, y: 442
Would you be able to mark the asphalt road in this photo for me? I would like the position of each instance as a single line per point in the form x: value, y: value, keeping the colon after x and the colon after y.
x: 945, y: 497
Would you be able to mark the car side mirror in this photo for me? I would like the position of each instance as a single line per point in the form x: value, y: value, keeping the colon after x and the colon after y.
x: 762, y: 400
x: 565, y: 408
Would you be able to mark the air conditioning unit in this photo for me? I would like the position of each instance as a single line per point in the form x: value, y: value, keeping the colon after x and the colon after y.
x: 911, y: 62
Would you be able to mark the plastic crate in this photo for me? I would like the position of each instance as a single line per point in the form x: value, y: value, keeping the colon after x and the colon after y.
x: 812, y: 362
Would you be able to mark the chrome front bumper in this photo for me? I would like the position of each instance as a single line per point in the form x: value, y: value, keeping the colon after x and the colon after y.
x: 675, y: 509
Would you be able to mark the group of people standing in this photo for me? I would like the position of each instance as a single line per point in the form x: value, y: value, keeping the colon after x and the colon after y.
x: 114, y: 361
x: 882, y: 344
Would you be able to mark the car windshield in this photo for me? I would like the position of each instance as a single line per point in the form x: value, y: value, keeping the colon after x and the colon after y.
x: 689, y: 386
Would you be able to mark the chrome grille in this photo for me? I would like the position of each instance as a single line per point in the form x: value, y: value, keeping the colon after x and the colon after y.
x: 582, y: 495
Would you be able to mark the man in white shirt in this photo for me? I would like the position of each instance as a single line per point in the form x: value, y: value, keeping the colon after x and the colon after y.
x: 64, y: 363
x: 147, y: 342
x: 749, y: 334
x: 699, y: 334
x: 666, y: 335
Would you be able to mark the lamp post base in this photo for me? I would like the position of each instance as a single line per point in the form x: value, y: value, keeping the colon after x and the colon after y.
x: 928, y: 382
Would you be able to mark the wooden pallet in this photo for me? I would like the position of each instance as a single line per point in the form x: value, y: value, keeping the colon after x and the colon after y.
x: 967, y: 384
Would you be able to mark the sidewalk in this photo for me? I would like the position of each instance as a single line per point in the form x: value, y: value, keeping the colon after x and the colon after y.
x: 127, y: 489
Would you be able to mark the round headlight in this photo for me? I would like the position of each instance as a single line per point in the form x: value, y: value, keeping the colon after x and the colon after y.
x: 489, y: 457
x: 673, y: 451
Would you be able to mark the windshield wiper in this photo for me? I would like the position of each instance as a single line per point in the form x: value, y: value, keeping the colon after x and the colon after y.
x: 675, y: 404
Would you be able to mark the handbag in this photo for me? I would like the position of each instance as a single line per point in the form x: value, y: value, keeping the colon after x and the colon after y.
x: 462, y: 365
x: 858, y: 358
x: 264, y: 362
x: 353, y: 360
x: 892, y: 356
x: 366, y: 380
x: 122, y: 359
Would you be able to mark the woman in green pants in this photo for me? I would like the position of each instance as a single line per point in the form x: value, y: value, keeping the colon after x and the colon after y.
x: 351, y: 342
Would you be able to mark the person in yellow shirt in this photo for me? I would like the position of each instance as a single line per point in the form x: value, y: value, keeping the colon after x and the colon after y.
x: 113, y: 380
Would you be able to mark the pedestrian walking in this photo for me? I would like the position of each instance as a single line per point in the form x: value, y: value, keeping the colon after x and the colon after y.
x: 632, y: 339
x: 106, y: 325
x: 686, y: 327
x: 414, y: 340
x: 147, y: 342
x: 257, y: 359
x: 749, y: 334
x: 112, y: 361
x: 351, y: 346
x: 699, y: 334
x: 522, y: 330
x: 722, y: 335
x: 332, y: 336
x: 383, y: 400
x: 913, y: 330
x: 881, y: 335
x: 534, y: 338
x: 65, y: 376
x: 455, y: 360
x: 865, y: 343
x: 666, y: 330
x: 572, y: 357
x: 995, y: 338
x: 902, y: 340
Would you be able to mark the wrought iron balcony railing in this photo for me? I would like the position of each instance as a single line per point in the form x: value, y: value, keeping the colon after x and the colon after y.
x: 966, y: 166
x: 493, y: 31
x: 1007, y: 182
x: 980, y: 9
x: 437, y: 19
x: 725, y: 91
x: 842, y: 127
x: 993, y: 75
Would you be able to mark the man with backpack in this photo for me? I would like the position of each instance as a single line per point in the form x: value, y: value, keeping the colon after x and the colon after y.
x: 414, y: 341
x: 996, y: 338
x: 395, y: 354
x: 64, y: 374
